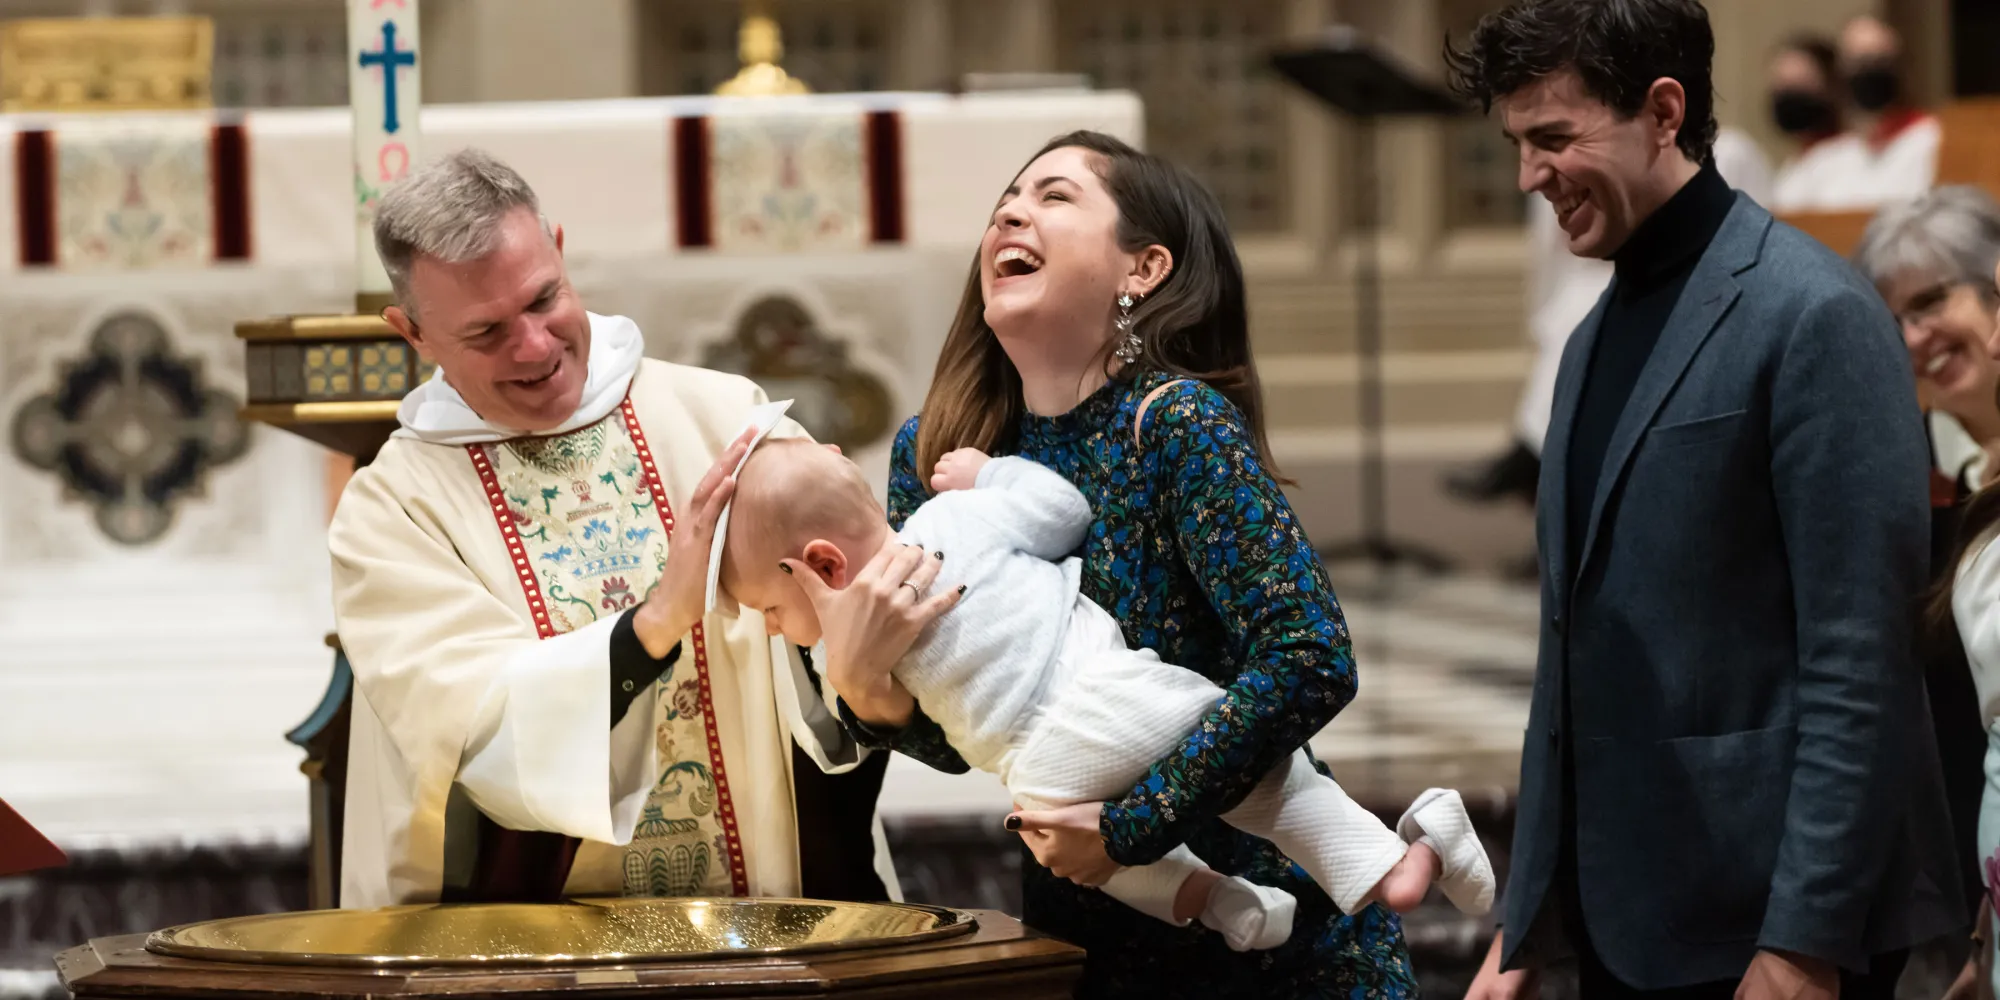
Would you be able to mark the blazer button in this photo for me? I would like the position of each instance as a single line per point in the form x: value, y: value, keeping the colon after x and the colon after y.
x: 1556, y: 624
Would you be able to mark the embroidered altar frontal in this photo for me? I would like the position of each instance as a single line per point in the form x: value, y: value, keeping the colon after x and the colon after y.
x: 99, y: 194
x: 779, y: 175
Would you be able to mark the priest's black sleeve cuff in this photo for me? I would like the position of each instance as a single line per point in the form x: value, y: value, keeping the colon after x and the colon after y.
x: 812, y: 673
x: 632, y: 668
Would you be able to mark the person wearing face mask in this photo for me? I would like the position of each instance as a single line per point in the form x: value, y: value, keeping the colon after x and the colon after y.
x: 1933, y: 260
x: 1728, y: 784
x: 1803, y: 80
x: 1889, y: 150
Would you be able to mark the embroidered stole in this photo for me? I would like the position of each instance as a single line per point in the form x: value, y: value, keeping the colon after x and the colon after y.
x: 586, y: 521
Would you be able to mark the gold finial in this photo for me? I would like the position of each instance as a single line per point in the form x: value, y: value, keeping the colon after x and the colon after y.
x: 760, y: 46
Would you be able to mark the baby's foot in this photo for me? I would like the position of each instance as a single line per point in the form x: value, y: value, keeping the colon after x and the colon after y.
x: 1438, y: 820
x: 1250, y: 917
x: 1404, y: 888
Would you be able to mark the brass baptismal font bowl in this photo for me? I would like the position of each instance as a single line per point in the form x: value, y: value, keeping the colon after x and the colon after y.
x: 581, y: 932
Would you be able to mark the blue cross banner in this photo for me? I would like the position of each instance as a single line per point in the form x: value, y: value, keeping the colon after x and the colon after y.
x: 390, y: 59
x: 385, y: 92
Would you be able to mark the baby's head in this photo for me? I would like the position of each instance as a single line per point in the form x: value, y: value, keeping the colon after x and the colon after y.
x: 797, y: 500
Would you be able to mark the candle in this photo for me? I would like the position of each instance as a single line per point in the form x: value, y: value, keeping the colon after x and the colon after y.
x: 383, y: 88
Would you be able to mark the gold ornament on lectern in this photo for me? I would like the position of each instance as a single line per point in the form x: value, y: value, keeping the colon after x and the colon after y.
x: 760, y: 45
x: 106, y: 64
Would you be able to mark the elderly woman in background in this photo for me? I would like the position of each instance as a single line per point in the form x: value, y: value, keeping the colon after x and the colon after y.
x: 1933, y: 259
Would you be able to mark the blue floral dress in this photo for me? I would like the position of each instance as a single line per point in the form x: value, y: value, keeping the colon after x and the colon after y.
x: 1198, y: 555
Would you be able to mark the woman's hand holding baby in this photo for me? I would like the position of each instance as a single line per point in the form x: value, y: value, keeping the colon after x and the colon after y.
x: 1067, y: 841
x: 958, y: 470
x: 869, y: 624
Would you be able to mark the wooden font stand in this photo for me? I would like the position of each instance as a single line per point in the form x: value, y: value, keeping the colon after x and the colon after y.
x: 1002, y: 960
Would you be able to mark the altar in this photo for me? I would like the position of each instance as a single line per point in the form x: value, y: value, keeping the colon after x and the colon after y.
x: 166, y: 600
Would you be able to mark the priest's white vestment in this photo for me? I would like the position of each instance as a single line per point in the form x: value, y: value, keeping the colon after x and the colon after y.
x: 478, y: 581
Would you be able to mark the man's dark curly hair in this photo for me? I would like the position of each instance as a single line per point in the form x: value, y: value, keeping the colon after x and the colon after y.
x: 1617, y: 47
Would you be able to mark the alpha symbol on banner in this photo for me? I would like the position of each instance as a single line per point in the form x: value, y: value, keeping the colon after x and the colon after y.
x: 390, y: 59
x: 394, y: 161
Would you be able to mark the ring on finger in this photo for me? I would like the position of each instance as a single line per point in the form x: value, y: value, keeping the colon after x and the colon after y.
x: 914, y: 592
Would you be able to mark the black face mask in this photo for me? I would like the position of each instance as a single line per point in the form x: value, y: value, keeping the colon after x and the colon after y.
x: 1801, y: 112
x: 1874, y: 87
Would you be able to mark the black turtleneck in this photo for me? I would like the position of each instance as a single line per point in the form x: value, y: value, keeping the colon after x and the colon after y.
x: 1652, y: 269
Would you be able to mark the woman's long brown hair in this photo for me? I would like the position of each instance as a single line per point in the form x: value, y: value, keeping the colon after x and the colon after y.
x: 1939, y: 636
x: 1195, y: 324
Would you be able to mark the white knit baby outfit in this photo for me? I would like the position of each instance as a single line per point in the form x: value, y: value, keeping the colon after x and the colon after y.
x: 1032, y: 681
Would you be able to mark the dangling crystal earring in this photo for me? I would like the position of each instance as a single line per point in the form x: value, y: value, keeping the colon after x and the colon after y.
x: 1128, y: 351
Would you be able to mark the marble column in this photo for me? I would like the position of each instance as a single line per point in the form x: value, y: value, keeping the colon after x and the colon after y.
x: 1029, y: 44
x: 486, y: 51
x: 1317, y: 171
x: 1926, y: 27
x: 923, y: 57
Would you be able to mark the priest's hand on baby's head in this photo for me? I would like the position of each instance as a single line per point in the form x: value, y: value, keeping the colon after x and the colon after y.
x: 675, y: 606
x: 958, y: 470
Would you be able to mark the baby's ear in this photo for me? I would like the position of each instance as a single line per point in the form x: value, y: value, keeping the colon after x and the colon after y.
x: 828, y: 561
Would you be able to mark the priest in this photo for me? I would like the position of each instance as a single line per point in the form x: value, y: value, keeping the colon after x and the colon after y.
x: 541, y: 706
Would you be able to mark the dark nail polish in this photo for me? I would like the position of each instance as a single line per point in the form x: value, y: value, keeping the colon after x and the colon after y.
x: 1013, y: 823
x: 961, y: 588
x: 787, y: 569
x: 939, y: 555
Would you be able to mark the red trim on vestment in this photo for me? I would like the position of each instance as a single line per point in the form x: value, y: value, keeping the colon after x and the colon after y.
x: 725, y: 809
x: 505, y: 518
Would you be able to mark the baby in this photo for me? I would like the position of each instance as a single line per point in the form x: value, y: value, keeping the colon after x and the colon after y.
x: 1033, y: 682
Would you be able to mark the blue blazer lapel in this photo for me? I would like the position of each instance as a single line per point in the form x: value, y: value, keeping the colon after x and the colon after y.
x: 1710, y: 291
x: 1551, y: 499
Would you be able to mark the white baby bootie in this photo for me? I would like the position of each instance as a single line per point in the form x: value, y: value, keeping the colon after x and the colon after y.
x: 1438, y: 819
x: 1250, y: 917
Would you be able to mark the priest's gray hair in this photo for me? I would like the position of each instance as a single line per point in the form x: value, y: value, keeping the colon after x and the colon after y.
x: 1949, y: 235
x: 449, y: 210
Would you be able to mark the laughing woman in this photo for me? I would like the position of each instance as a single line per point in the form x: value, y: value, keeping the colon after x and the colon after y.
x: 1103, y: 334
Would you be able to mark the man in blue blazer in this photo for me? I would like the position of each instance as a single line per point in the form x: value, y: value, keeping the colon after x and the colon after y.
x: 1728, y: 786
